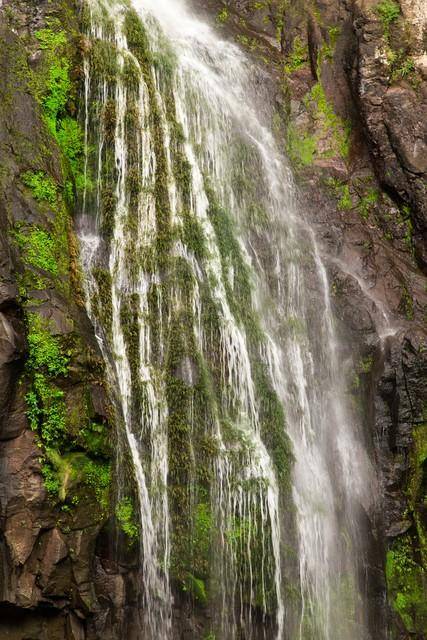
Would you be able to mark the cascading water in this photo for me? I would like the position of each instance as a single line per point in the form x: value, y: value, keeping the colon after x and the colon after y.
x: 210, y: 302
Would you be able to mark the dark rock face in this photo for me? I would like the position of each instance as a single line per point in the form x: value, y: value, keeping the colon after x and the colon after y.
x: 394, y: 115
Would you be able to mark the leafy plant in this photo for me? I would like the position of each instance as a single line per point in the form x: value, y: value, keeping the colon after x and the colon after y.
x: 55, y: 94
x: 45, y: 353
x: 126, y: 518
x: 97, y: 475
x: 345, y: 202
x: 298, y: 56
x: 42, y: 186
x: 38, y: 248
x: 388, y: 12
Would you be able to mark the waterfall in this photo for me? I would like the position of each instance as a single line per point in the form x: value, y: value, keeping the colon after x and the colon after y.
x: 210, y: 302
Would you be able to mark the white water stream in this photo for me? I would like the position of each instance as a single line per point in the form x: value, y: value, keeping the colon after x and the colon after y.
x: 227, y: 140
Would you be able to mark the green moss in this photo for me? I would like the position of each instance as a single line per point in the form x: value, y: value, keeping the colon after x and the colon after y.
x: 63, y: 473
x: 50, y: 39
x: 45, y: 401
x: 327, y: 49
x: 101, y: 303
x: 44, y: 255
x: 417, y: 483
x: 239, y: 290
x: 126, y: 519
x: 304, y: 147
x: 69, y: 136
x: 406, y: 562
x: 193, y: 237
x: 94, y: 438
x: 103, y: 61
x: 131, y: 74
x: 202, y: 538
x: 42, y: 186
x: 401, y: 66
x: 51, y: 479
x: 301, y: 147
x: 196, y: 587
x: 341, y: 191
x: 273, y: 425
x: 366, y: 364
x: 407, y: 584
x: 330, y: 124
x: 137, y: 38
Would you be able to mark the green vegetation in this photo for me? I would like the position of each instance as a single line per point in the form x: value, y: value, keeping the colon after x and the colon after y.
x: 202, y: 537
x: 223, y: 15
x: 45, y: 401
x: 366, y: 364
x: 301, y: 147
x: 388, y: 12
x: 94, y: 438
x: 406, y: 304
x: 406, y: 565
x: 45, y: 352
x: 42, y: 186
x: 126, y: 519
x: 329, y: 123
x: 416, y: 489
x: 407, y: 584
x: 298, y: 57
x: 196, y: 587
x: 53, y: 88
x: 70, y: 139
x: 367, y: 202
x: 57, y: 83
x: 38, y: 248
x: 345, y: 203
x: 327, y: 50
x: 327, y: 136
x: 97, y: 475
x: 401, y: 66
x: 62, y: 466
x: 341, y: 191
